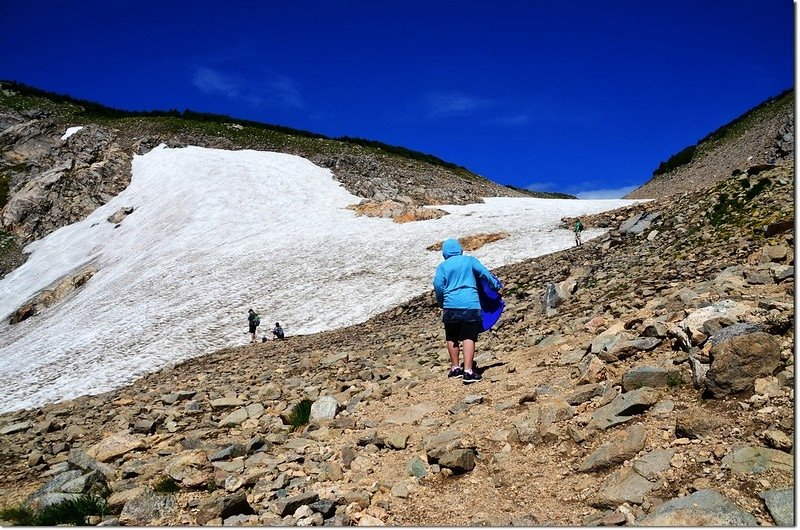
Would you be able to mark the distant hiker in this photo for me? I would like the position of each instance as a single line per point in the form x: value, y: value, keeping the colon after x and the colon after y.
x: 578, y: 230
x: 456, y: 286
x: 277, y: 331
x: 253, y: 321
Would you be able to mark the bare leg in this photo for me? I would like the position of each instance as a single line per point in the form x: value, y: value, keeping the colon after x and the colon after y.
x: 469, y: 354
x: 452, y: 349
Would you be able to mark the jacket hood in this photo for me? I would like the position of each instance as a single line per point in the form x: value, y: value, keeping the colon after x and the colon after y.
x: 451, y: 247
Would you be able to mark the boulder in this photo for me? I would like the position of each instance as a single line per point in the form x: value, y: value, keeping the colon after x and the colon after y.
x: 624, y: 408
x: 701, y: 508
x: 190, y: 468
x: 458, y: 460
x: 622, y: 486
x: 224, y: 507
x: 652, y: 376
x: 780, y: 504
x: 324, y: 408
x: 148, y: 509
x: 115, y: 446
x: 696, y: 423
x: 737, y: 362
x: 748, y: 459
x: 622, y: 446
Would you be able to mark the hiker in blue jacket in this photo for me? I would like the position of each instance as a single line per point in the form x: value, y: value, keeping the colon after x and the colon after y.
x: 456, y: 287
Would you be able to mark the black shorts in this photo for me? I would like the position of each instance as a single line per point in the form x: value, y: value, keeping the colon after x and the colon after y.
x: 461, y: 324
x: 253, y: 328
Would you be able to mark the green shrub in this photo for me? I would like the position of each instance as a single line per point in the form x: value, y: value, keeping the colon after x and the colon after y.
x: 300, y: 414
x: 69, y: 512
x: 21, y: 515
x: 166, y: 485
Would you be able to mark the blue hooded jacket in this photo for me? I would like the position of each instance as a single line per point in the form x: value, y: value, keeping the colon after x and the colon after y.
x: 455, y: 281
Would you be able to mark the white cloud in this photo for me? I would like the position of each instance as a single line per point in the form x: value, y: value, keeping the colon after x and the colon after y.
x: 453, y: 104
x: 267, y: 88
x: 541, y: 186
x: 605, y: 193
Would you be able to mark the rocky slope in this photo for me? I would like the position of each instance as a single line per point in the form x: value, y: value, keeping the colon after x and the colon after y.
x: 645, y: 377
x: 763, y: 135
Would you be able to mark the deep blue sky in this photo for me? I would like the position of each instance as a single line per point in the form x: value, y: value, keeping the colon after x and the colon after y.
x: 570, y: 96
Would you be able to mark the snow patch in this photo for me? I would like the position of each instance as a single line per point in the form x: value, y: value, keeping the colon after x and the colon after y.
x: 214, y: 233
x: 71, y: 131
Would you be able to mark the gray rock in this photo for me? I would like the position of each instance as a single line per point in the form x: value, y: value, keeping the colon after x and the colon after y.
x: 734, y: 330
x: 16, y: 427
x: 696, y: 423
x: 458, y: 460
x: 586, y: 392
x: 416, y: 467
x: 623, y: 485
x: 624, y: 408
x: 289, y: 505
x: 653, y: 463
x: 51, y: 499
x: 234, y: 418
x: 148, y: 509
x: 622, y: 446
x: 324, y: 408
x: 437, y: 445
x: 652, y: 376
x: 748, y: 459
x: 701, y: 508
x: 224, y: 507
x: 780, y: 504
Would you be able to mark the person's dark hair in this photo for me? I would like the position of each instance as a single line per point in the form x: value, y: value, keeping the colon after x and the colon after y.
x: 277, y: 324
x: 249, y: 310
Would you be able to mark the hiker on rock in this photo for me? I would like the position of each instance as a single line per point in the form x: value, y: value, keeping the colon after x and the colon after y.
x: 277, y: 331
x: 456, y: 287
x: 253, y: 321
x: 578, y: 229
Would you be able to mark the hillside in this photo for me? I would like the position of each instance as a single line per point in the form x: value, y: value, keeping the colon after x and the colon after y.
x: 47, y: 181
x: 620, y: 399
x: 643, y: 378
x: 762, y: 135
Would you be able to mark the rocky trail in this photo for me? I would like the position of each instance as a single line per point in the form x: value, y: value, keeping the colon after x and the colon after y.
x: 645, y: 377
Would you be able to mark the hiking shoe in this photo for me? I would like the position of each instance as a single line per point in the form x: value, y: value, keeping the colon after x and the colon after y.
x: 475, y: 367
x: 473, y: 377
x: 455, y: 371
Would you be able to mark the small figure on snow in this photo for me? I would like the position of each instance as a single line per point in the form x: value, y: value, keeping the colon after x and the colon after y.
x: 253, y: 321
x: 578, y: 230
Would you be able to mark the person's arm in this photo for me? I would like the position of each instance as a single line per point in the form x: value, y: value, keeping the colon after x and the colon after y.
x: 483, y: 272
x: 438, y: 286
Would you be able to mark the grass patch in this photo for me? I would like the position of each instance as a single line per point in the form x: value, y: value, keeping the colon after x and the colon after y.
x: 300, y: 415
x: 21, y: 515
x: 73, y: 512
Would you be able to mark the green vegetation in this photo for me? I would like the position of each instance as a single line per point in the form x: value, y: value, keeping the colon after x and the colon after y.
x: 166, y: 485
x: 727, y: 207
x: 674, y: 380
x: 541, y: 194
x: 300, y: 414
x: 69, y: 512
x: 5, y: 188
x: 731, y: 129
